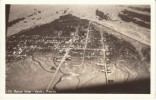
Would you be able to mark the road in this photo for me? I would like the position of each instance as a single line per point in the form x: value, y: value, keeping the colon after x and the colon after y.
x: 87, y: 36
x: 104, y: 55
x: 62, y: 61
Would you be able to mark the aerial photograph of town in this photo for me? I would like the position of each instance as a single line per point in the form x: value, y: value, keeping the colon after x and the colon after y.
x: 78, y: 49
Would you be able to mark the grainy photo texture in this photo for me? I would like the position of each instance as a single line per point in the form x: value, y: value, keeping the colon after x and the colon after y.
x: 78, y: 49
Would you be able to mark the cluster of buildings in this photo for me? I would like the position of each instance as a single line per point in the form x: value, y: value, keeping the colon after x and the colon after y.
x: 18, y: 47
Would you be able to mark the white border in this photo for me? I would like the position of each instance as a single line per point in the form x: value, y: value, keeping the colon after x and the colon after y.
x: 76, y: 96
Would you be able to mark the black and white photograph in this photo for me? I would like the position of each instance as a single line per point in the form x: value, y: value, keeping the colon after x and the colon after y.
x: 74, y: 48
